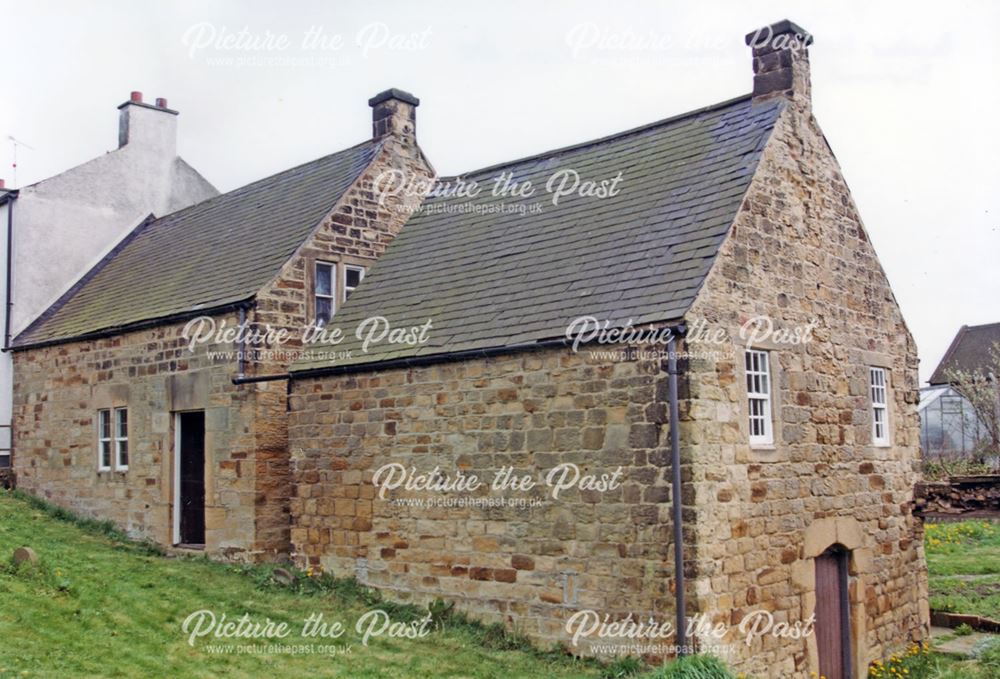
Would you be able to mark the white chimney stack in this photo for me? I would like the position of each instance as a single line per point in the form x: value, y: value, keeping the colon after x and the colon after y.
x: 154, y: 128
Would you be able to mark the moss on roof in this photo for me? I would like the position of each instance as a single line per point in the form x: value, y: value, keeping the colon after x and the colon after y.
x: 217, y: 252
x: 497, y: 271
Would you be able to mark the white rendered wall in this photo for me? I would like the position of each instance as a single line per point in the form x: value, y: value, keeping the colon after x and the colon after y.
x: 64, y: 225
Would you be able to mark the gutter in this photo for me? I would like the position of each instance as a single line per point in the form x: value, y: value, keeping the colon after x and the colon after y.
x: 409, y: 362
x: 132, y: 327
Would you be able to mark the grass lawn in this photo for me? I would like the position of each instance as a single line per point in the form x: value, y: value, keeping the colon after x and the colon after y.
x: 963, y: 560
x: 96, y: 606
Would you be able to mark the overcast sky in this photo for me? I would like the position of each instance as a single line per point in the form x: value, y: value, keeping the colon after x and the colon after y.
x: 907, y: 94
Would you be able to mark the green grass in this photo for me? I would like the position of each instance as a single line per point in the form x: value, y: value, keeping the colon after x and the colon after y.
x: 963, y: 560
x: 98, y: 605
x: 101, y: 605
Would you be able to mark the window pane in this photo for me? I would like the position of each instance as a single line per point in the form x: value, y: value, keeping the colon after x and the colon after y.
x: 105, y: 453
x: 353, y: 277
x: 323, y: 310
x: 324, y: 279
x: 123, y: 453
x: 104, y: 424
x: 122, y: 426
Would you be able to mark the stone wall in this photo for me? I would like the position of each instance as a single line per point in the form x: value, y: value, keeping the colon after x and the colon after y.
x: 532, y: 566
x: 152, y: 373
x: 60, y: 388
x: 357, y: 231
x: 799, y: 253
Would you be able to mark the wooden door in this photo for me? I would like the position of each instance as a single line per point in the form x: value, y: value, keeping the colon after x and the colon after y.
x: 833, y: 615
x: 191, y: 451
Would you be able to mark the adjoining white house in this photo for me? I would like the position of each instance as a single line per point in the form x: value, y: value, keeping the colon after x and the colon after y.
x: 54, y: 231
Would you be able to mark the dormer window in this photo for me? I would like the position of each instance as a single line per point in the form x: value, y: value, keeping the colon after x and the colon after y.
x: 324, y: 289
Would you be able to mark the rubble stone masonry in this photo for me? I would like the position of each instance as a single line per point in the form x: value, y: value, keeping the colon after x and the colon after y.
x: 755, y: 517
x: 58, y: 390
x: 529, y: 565
x: 799, y: 254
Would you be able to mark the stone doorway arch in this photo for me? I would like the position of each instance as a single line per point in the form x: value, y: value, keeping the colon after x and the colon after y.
x: 844, y: 533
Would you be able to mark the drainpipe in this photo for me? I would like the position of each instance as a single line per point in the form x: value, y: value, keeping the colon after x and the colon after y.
x: 675, y: 495
x: 241, y: 359
x: 9, y: 302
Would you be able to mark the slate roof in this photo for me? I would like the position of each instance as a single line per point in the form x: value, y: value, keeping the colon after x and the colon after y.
x: 209, y: 255
x: 487, y: 278
x: 970, y: 350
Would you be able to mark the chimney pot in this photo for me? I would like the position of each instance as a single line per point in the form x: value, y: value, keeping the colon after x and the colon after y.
x: 394, y: 113
x: 781, y: 61
x: 147, y: 125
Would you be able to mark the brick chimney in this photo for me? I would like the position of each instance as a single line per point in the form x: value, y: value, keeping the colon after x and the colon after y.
x: 781, y: 61
x: 153, y: 127
x: 394, y: 112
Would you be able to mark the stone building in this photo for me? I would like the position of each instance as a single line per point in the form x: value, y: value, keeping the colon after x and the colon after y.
x: 497, y: 419
x: 797, y: 421
x: 111, y: 389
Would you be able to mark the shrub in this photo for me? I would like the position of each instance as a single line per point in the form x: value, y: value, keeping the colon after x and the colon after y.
x: 628, y: 666
x: 695, y: 667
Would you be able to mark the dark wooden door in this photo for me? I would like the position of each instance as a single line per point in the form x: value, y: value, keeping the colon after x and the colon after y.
x: 192, y: 478
x: 833, y: 619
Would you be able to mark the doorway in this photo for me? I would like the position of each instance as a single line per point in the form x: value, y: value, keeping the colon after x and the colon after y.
x: 189, y: 479
x: 833, y: 614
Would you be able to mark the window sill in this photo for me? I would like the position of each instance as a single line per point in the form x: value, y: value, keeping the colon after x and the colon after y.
x: 763, y: 446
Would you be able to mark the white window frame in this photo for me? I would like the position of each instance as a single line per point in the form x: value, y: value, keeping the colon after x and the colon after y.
x: 361, y: 277
x: 120, y: 438
x: 113, y: 440
x: 333, y: 290
x: 757, y: 367
x: 102, y: 440
x: 878, y: 390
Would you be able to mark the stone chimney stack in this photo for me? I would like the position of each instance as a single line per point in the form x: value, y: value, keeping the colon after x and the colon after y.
x: 151, y: 127
x: 781, y: 61
x: 394, y: 113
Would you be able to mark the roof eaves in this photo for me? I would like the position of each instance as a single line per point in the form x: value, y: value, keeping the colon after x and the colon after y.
x: 677, y: 324
x: 937, y: 377
x: 132, y: 327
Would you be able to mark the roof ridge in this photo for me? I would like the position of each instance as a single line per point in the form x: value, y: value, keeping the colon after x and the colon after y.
x: 601, y: 140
